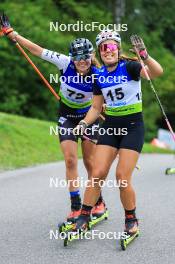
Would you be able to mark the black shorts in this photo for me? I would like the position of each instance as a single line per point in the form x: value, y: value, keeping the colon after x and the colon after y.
x: 67, y: 124
x: 123, y: 132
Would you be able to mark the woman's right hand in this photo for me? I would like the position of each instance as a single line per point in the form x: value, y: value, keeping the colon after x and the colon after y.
x: 5, y: 25
x: 8, y: 31
x: 103, y: 108
x: 80, y: 128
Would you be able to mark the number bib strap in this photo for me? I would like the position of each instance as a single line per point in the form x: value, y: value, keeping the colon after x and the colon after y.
x: 124, y: 110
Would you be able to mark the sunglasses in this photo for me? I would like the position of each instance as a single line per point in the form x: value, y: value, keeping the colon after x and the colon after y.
x: 111, y: 46
x: 81, y: 57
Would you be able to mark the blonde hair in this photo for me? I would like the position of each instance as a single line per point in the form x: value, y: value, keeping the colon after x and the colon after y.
x: 95, y: 61
x: 125, y: 57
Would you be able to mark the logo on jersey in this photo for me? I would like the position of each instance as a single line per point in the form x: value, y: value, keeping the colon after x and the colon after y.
x: 62, y: 120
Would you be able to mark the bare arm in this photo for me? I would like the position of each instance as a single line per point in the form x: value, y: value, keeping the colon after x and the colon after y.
x: 32, y: 47
x: 95, y: 109
x: 153, y: 68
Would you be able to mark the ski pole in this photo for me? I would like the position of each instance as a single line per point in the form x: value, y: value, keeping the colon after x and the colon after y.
x: 36, y: 69
x: 156, y: 95
x: 94, y: 141
x: 138, y: 167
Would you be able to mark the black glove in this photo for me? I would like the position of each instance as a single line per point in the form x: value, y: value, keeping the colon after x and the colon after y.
x: 80, y: 128
x: 5, y: 24
x: 138, y: 43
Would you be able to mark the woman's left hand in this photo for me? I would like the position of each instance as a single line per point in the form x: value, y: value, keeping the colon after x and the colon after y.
x: 138, y: 43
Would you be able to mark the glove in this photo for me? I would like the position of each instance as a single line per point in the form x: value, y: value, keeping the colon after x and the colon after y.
x: 5, y: 25
x: 138, y: 43
x: 103, y: 108
x: 80, y: 128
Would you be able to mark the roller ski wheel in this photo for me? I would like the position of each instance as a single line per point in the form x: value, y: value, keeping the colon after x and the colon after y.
x: 127, y: 239
x: 95, y: 219
x: 74, y: 235
x: 170, y: 171
x: 66, y: 241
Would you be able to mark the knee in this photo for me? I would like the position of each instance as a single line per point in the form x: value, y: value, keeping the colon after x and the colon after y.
x: 99, y: 174
x: 71, y: 162
x: 122, y: 180
x: 88, y: 163
x: 120, y: 175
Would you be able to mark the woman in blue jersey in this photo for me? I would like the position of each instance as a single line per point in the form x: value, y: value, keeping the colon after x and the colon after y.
x: 76, y: 97
x: 118, y: 83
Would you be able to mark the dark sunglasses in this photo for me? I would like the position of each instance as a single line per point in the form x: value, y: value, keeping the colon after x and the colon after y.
x: 111, y: 46
x: 81, y: 57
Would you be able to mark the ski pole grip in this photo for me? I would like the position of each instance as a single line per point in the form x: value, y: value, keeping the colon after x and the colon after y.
x: 141, y: 62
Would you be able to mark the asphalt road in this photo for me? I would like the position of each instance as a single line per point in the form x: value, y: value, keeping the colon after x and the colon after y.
x: 30, y: 210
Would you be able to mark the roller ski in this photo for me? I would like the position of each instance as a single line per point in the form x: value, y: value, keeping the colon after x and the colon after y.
x: 69, y: 223
x: 99, y: 213
x: 130, y: 233
x: 86, y: 221
x: 79, y: 229
x: 170, y: 171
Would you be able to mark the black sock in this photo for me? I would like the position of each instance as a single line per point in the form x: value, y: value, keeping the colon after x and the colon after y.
x: 100, y: 200
x: 130, y: 213
x: 86, y: 209
x: 76, y: 202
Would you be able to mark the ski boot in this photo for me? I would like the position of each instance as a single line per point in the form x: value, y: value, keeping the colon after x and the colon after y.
x: 80, y: 227
x: 99, y: 213
x: 69, y: 223
x: 131, y: 231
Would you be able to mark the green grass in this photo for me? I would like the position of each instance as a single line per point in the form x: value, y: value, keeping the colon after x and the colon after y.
x: 26, y: 142
x: 148, y: 148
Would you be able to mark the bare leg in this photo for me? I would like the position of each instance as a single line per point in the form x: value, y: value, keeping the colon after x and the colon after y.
x: 127, y: 162
x: 70, y: 149
x: 88, y: 151
x: 103, y: 158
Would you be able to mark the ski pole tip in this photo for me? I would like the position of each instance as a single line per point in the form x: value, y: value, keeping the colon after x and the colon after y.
x: 138, y: 167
